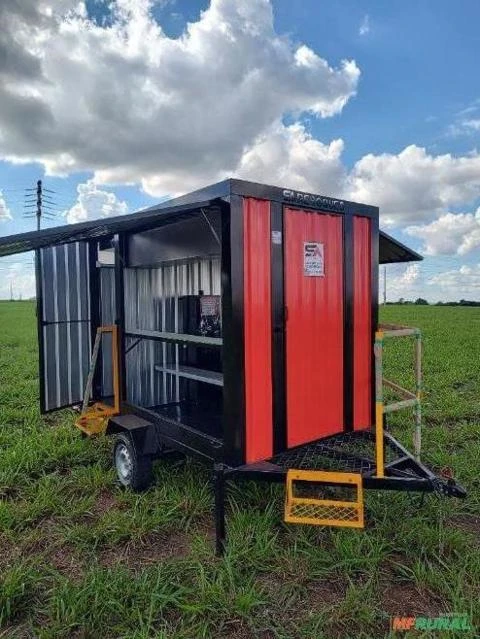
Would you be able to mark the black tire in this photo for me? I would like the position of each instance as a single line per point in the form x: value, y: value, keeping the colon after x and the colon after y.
x: 134, y: 471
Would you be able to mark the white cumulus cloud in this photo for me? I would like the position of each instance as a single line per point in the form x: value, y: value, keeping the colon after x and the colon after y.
x: 289, y: 155
x: 462, y: 282
x: 93, y: 202
x: 133, y: 105
x: 414, y: 186
x: 5, y: 213
x: 451, y: 233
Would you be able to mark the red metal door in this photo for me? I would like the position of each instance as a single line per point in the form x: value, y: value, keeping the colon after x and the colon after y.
x: 314, y: 325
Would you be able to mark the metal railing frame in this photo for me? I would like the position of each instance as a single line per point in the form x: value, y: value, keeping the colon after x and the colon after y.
x: 408, y: 399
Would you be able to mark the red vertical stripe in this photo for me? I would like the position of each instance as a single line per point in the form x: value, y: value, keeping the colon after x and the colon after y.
x: 362, y: 340
x: 314, y: 328
x: 258, y: 330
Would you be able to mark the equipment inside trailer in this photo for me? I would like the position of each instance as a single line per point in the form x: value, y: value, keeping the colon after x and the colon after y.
x: 173, y: 323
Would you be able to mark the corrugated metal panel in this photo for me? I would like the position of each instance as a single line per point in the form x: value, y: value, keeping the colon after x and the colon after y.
x: 362, y: 324
x: 151, y: 302
x: 314, y: 326
x: 258, y: 330
x: 66, y: 338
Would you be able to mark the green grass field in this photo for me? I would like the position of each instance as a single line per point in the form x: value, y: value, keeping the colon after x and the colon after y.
x: 81, y: 558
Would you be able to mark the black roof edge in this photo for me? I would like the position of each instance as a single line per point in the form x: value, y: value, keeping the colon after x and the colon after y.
x: 211, y: 192
x: 246, y: 188
x: 141, y: 220
x: 396, y: 251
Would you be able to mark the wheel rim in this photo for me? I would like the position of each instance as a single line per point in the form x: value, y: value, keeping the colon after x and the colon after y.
x: 123, y: 463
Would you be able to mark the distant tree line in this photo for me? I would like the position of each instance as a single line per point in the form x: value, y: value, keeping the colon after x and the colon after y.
x: 423, y: 302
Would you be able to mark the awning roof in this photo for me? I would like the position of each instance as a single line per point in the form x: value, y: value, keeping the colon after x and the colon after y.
x: 95, y: 229
x: 390, y: 250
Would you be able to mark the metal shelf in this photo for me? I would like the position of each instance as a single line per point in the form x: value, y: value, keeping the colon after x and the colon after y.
x: 191, y: 372
x: 175, y: 338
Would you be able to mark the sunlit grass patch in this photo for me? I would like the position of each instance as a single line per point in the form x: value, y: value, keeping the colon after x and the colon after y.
x: 80, y: 557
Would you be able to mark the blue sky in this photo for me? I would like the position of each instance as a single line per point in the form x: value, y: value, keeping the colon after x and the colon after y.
x: 399, y: 127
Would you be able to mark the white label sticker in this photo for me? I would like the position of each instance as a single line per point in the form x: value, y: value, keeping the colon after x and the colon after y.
x: 313, y: 259
x: 276, y: 237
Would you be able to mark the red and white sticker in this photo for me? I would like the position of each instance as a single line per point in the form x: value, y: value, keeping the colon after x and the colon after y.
x: 313, y: 259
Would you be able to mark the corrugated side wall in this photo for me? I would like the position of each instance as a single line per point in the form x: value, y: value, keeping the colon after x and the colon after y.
x: 362, y: 337
x: 150, y: 304
x: 66, y: 340
x: 258, y: 330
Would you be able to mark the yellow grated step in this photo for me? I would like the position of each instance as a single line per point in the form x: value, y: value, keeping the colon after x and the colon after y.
x: 324, y: 512
x: 94, y: 420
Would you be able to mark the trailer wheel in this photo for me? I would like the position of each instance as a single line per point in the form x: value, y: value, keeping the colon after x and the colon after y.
x: 133, y: 470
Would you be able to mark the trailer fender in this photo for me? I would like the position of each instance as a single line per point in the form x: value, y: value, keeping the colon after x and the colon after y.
x: 142, y: 433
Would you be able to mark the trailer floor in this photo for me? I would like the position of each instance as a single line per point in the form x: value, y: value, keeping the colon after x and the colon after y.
x: 206, y: 418
x: 353, y: 452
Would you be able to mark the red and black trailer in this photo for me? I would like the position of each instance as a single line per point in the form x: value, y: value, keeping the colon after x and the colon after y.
x: 243, y: 321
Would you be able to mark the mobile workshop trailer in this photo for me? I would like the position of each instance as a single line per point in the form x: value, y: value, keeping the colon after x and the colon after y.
x: 238, y: 323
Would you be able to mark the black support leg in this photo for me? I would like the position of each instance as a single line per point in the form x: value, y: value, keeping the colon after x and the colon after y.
x: 219, y: 487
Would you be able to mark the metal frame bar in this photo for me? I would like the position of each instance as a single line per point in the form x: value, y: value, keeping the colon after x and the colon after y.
x: 233, y: 358
x: 375, y: 261
x: 115, y: 363
x: 95, y: 313
x: 40, y: 324
x: 348, y: 318
x: 409, y: 399
x: 120, y: 248
x: 94, y: 420
x: 379, y: 443
x: 279, y: 369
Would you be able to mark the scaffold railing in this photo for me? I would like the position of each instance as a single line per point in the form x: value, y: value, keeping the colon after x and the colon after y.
x: 405, y: 398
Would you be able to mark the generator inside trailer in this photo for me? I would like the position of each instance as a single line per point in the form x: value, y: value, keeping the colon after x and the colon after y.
x: 245, y: 322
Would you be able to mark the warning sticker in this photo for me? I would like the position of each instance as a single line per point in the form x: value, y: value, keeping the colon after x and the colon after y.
x: 276, y: 237
x: 313, y: 259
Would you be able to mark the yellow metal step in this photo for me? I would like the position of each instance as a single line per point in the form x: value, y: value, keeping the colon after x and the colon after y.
x: 94, y: 420
x: 319, y: 511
